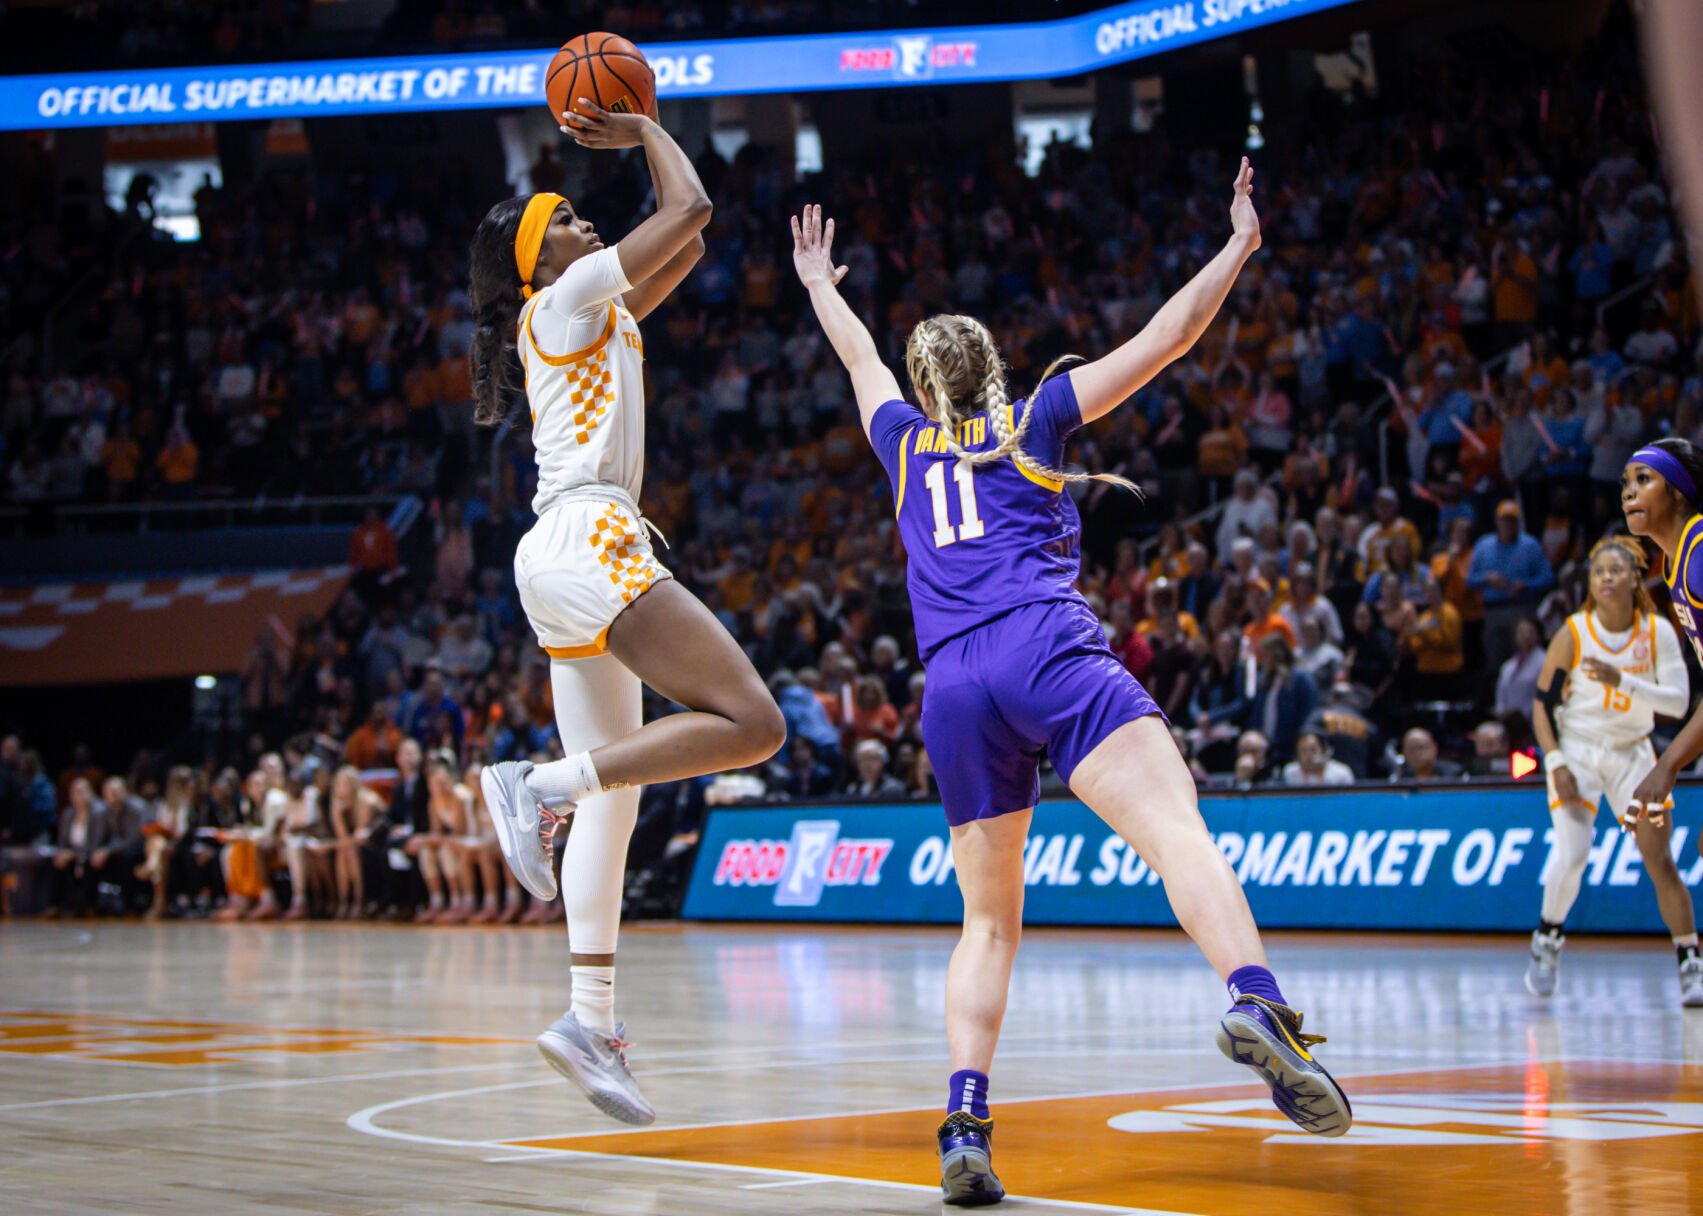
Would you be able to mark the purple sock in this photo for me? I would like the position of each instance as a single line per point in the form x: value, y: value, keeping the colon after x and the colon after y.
x: 1255, y: 981
x: 968, y: 1091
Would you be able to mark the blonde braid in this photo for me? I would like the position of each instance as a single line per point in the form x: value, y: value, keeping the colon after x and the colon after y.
x: 937, y: 356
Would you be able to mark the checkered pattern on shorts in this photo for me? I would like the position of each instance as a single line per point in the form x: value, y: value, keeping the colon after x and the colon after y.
x: 623, y: 554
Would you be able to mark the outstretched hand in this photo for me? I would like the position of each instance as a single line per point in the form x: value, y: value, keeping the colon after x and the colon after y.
x: 1243, y: 218
x: 813, y: 249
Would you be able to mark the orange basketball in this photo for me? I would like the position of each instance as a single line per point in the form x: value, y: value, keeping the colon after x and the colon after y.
x: 605, y: 68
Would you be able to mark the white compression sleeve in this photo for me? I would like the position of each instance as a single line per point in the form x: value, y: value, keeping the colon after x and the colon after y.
x: 597, y: 701
x: 1669, y: 694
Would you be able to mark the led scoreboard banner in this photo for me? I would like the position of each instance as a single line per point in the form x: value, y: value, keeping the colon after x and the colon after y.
x: 801, y: 64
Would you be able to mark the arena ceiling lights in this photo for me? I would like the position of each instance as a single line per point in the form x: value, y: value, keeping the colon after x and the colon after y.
x: 802, y: 64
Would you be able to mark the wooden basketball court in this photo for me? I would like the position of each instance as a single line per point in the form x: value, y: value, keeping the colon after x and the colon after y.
x: 197, y: 1068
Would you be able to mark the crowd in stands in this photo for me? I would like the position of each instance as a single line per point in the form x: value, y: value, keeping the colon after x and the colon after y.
x: 1410, y: 419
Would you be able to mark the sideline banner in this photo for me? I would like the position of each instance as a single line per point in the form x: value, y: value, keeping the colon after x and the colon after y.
x: 1460, y: 859
x: 800, y: 64
x: 151, y: 629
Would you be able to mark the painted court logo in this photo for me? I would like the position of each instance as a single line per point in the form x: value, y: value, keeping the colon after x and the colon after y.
x: 1438, y: 1120
x: 801, y: 868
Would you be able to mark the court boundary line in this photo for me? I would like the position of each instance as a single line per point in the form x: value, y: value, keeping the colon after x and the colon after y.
x: 365, y: 1121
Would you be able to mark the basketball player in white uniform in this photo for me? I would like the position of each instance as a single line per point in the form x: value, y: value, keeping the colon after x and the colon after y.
x: 1613, y: 667
x: 606, y: 611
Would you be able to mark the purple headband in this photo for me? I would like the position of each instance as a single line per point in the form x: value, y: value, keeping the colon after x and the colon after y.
x: 1664, y: 463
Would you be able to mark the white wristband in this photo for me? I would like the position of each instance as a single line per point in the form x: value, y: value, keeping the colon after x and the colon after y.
x: 1554, y: 759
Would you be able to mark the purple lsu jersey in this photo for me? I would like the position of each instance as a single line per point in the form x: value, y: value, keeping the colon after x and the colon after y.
x: 1685, y: 583
x: 982, y: 539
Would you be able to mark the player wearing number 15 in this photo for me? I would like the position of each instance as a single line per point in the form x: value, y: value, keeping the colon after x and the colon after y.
x: 1610, y: 670
x: 1017, y: 663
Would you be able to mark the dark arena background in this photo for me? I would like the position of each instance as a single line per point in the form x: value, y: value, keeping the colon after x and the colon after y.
x: 257, y: 568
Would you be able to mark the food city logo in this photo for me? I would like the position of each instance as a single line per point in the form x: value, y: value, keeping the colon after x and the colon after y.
x: 910, y: 57
x: 800, y: 868
x: 1437, y: 1120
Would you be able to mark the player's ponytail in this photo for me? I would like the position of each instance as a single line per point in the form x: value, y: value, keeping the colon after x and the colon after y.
x: 956, y: 363
x: 496, y: 311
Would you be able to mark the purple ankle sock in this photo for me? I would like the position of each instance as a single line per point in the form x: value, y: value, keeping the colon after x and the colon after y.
x: 968, y: 1091
x: 1255, y: 981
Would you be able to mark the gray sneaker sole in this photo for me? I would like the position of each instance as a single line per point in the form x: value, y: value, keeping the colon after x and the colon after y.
x: 1535, y: 982
x: 558, y: 1052
x: 967, y: 1180
x: 1306, y: 1093
x: 501, y: 807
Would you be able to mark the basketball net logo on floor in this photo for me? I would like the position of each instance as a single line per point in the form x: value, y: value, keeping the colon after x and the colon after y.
x: 1489, y: 1138
x: 1414, y: 1120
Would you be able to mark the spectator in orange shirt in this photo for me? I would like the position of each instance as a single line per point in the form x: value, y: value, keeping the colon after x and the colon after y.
x: 121, y: 461
x: 872, y: 715
x: 372, y: 553
x: 1387, y: 524
x: 1263, y: 620
x: 1513, y: 289
x: 1481, y: 462
x: 1449, y: 570
x: 1219, y: 452
x: 1162, y: 612
x: 538, y: 698
x: 1435, y: 642
x: 373, y: 744
x: 178, y: 462
x: 1546, y: 371
x: 738, y: 586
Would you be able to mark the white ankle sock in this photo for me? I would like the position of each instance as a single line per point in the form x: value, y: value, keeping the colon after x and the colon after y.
x: 567, y: 780
x: 594, y: 998
x: 1690, y: 939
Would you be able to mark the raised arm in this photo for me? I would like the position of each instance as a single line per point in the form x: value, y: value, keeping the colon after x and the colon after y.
x: 813, y: 257
x: 682, y: 206
x: 645, y: 297
x: 1107, y: 382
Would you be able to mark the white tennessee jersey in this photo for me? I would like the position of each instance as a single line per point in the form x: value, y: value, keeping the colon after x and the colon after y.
x: 584, y: 366
x: 1653, y: 680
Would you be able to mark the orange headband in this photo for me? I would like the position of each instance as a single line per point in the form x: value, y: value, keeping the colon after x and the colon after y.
x: 529, y: 239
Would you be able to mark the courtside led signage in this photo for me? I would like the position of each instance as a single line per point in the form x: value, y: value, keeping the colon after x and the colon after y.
x: 683, y: 69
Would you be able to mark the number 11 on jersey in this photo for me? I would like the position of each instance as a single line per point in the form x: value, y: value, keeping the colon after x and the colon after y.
x: 935, y: 479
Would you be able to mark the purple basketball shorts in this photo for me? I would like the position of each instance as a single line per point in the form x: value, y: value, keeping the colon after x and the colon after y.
x: 1040, y: 677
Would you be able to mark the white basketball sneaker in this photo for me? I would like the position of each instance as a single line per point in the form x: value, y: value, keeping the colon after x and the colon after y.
x: 1545, y: 968
x: 597, y: 1063
x: 1691, y: 981
x: 524, y: 826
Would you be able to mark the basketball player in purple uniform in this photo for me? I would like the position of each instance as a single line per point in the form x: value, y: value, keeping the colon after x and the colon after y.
x: 1659, y: 494
x: 1017, y: 664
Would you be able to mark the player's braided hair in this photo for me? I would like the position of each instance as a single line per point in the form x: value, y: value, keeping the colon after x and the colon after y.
x: 954, y: 361
x: 1639, y: 563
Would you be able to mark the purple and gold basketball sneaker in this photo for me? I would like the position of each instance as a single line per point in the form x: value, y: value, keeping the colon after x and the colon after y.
x: 1267, y: 1038
x: 967, y: 1179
